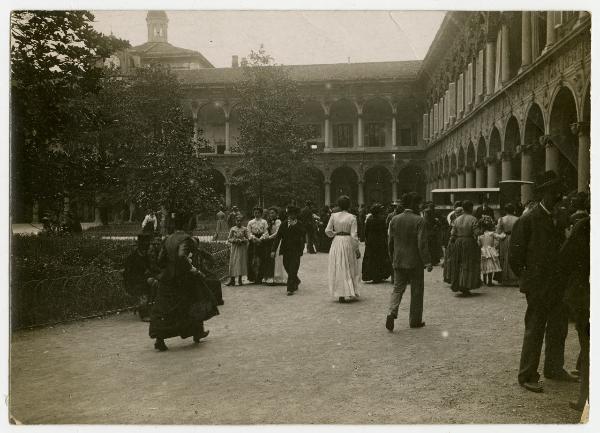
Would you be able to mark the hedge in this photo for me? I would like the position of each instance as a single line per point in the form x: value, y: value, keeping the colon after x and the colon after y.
x: 61, y: 278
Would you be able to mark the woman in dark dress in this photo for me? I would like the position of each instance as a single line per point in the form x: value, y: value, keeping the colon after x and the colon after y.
x: 376, y: 263
x: 466, y: 254
x: 183, y: 302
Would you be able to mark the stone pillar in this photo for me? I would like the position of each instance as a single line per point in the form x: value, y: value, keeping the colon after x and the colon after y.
x: 452, y: 103
x: 525, y: 40
x: 227, y: 194
x: 526, y: 173
x: 453, y: 180
x: 361, y: 192
x: 492, y: 180
x: 535, y: 41
x: 131, y: 211
x: 479, y: 78
x: 227, y: 139
x: 505, y: 54
x: 35, y: 212
x: 582, y: 130
x: 552, y: 153
x: 360, y: 131
x: 480, y: 175
x: 506, y: 166
x: 394, y: 189
x: 490, y: 66
x: 550, y: 32
x: 460, y: 108
x: 327, y: 192
x: 394, y: 144
x: 326, y: 134
x: 460, y: 176
x: 470, y: 178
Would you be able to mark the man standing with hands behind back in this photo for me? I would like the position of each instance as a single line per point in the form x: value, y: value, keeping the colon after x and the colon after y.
x: 291, y: 234
x: 409, y: 253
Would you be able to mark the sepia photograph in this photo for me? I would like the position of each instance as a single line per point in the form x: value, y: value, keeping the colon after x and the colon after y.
x: 298, y: 217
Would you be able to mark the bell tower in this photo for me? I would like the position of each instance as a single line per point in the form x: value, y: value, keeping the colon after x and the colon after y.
x: 157, y: 23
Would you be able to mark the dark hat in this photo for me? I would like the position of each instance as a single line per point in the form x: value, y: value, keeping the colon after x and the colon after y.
x: 548, y: 180
x: 293, y: 211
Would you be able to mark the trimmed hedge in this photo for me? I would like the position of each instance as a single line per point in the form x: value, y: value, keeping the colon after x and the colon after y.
x: 61, y: 278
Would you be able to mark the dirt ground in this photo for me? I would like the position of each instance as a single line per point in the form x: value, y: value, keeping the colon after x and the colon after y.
x: 300, y: 359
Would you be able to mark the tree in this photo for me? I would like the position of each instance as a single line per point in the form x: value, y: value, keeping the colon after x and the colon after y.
x: 272, y: 138
x: 136, y: 142
x: 54, y: 57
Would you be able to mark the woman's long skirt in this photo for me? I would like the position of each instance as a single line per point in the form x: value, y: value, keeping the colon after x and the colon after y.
x: 343, y: 268
x: 376, y: 264
x: 256, y: 261
x: 465, y: 265
x: 279, y: 274
x: 507, y: 277
x: 238, y: 260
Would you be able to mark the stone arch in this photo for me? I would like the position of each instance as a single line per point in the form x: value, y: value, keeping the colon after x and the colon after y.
x: 470, y: 159
x: 317, y: 194
x: 533, y: 130
x: 344, y: 181
x: 377, y: 116
x: 560, y: 91
x: 211, y: 121
x: 461, y: 158
x: 378, y: 185
x: 343, y: 114
x: 512, y: 143
x: 217, y: 180
x: 563, y: 114
x: 453, y: 162
x: 313, y: 114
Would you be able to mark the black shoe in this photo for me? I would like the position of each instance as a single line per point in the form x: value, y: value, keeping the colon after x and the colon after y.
x: 532, y: 386
x: 197, y: 338
x: 290, y: 293
x: 389, y: 323
x: 418, y: 325
x: 342, y: 300
x: 160, y: 345
x: 577, y: 405
x: 562, y: 376
x: 240, y: 281
x: 231, y: 282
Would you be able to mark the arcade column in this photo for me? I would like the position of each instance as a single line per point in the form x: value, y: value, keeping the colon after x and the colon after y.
x: 492, y: 172
x: 582, y: 130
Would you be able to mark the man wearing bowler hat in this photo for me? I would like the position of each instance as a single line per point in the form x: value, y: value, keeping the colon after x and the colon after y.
x: 534, y: 257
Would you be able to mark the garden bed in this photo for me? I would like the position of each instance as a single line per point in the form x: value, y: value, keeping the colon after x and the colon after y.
x: 61, y: 278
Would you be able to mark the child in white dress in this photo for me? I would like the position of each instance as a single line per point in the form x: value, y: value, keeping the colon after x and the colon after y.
x: 488, y: 241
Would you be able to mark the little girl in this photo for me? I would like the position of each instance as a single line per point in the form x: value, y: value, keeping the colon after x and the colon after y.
x: 488, y: 241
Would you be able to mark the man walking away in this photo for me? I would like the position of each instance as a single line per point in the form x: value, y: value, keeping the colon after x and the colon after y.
x: 291, y: 234
x: 534, y: 258
x: 409, y: 254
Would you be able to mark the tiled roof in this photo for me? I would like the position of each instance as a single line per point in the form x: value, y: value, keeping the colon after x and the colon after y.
x: 401, y: 70
x: 165, y: 49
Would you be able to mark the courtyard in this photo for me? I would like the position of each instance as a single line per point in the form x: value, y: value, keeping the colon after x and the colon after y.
x: 304, y: 359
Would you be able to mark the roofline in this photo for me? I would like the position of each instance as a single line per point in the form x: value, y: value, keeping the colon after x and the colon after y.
x: 438, y: 36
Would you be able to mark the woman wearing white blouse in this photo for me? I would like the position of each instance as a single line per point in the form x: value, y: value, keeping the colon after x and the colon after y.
x: 344, y: 269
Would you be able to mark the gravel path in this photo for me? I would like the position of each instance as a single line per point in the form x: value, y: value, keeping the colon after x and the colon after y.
x: 301, y: 359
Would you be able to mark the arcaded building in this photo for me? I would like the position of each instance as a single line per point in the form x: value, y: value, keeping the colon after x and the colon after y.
x: 499, y: 96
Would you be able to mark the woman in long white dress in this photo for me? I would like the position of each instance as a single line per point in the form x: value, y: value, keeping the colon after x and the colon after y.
x: 344, y: 269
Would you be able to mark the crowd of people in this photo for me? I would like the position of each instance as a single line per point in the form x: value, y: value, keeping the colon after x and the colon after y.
x: 543, y: 247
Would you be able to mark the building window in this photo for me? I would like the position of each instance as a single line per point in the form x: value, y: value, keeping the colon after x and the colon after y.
x: 404, y: 137
x: 375, y: 134
x: 342, y: 135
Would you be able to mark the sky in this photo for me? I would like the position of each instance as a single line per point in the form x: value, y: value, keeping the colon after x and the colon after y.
x: 291, y: 37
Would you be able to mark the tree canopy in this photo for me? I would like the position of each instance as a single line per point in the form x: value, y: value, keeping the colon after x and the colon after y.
x: 272, y: 137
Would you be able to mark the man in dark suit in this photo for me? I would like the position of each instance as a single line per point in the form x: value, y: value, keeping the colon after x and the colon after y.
x: 534, y: 257
x: 407, y: 244
x: 306, y: 218
x: 291, y: 234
